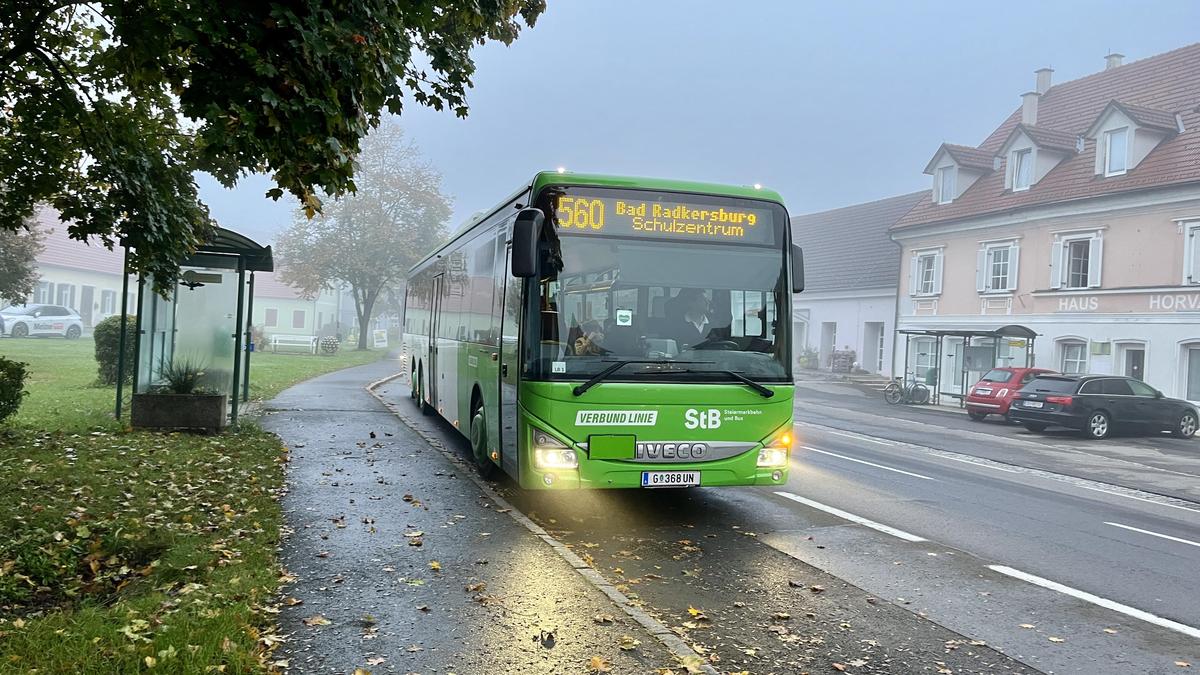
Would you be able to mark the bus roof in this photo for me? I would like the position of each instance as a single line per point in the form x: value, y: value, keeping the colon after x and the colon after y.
x: 544, y: 178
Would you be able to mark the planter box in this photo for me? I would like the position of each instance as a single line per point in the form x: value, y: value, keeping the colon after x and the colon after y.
x: 194, y: 412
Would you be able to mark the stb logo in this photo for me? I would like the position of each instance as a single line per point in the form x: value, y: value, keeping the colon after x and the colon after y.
x: 702, y: 419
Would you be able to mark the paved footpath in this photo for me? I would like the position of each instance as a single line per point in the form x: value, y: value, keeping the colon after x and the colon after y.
x: 413, y: 567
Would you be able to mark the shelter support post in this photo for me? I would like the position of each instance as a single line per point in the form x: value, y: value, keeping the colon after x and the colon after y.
x: 249, y: 336
x: 121, y: 340
x: 237, y: 340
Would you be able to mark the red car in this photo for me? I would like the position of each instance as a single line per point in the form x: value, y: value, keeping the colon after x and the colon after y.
x: 995, y: 392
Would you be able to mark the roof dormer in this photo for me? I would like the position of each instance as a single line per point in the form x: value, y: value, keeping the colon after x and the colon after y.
x: 955, y: 168
x: 1125, y: 133
x: 1030, y: 152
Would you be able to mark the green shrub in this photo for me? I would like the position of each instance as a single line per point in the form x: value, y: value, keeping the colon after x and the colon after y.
x: 12, y: 386
x: 107, y: 335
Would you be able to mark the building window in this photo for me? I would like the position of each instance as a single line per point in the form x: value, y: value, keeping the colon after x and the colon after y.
x: 271, y: 317
x: 1191, y: 254
x: 1116, y: 151
x: 1074, y: 358
x: 108, y: 302
x: 926, y: 273
x: 66, y: 295
x: 1076, y: 261
x: 1193, y: 372
x: 945, y: 184
x: 996, y: 268
x: 298, y: 318
x: 1022, y: 163
x: 44, y: 293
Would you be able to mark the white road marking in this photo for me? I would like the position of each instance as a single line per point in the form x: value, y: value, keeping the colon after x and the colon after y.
x: 1097, y: 600
x: 1154, y: 534
x: 863, y: 461
x: 900, y: 534
x: 857, y: 437
x: 1158, y: 502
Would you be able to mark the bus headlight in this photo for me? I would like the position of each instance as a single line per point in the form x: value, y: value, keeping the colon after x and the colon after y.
x: 551, y: 453
x: 775, y: 453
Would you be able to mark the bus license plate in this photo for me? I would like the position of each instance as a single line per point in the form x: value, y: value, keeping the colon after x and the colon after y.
x: 653, y: 479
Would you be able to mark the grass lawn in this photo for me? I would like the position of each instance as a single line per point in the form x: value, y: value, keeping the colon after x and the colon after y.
x: 123, y: 552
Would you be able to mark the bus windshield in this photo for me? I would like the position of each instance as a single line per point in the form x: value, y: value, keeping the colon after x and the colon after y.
x: 687, y: 309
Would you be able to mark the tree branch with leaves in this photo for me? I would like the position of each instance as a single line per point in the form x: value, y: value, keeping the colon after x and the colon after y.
x: 108, y: 108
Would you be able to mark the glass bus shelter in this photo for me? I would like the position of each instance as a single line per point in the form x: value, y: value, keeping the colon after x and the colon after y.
x: 950, y: 361
x: 204, y: 323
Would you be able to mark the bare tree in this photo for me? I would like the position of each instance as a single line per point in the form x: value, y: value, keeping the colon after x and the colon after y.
x: 370, y: 238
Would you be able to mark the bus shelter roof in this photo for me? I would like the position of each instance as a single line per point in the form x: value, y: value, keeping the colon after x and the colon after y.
x: 1011, y: 330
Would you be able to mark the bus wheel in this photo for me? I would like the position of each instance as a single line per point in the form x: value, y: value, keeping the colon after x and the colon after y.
x: 483, y: 463
x: 424, y: 407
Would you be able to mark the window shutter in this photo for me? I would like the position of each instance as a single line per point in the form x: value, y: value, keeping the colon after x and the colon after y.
x: 1056, y: 265
x: 912, y: 276
x: 1193, y: 271
x: 937, y: 274
x: 1095, y: 253
x: 981, y: 272
x: 1014, y: 264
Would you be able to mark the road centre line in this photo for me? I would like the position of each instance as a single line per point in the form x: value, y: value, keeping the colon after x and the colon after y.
x: 863, y: 461
x: 899, y: 534
x: 1097, y: 600
x: 1154, y: 534
x: 857, y: 437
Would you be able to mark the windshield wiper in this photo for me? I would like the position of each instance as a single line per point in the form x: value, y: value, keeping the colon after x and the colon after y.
x: 617, y: 365
x: 758, y: 388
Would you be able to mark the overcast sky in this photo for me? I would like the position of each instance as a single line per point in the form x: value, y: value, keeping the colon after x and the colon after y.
x: 830, y: 103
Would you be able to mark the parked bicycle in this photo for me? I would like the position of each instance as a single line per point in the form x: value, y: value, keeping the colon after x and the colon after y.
x: 900, y: 392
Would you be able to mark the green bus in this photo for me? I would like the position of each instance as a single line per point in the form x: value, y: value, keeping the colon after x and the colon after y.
x: 605, y: 332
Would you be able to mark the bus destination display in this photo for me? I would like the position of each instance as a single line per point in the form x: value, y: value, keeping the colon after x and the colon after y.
x: 657, y: 219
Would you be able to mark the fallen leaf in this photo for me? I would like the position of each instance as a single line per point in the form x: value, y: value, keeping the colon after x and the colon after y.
x: 1028, y: 625
x: 816, y: 588
x: 1055, y: 639
x: 602, y: 618
x: 316, y: 620
x: 374, y: 661
x: 422, y: 608
x: 857, y: 663
x: 1183, y: 664
x: 361, y: 671
x: 840, y: 667
x: 291, y: 602
x: 781, y: 616
x: 693, y: 611
x: 1110, y: 631
x: 475, y: 588
x: 628, y: 643
x: 599, y: 664
x: 435, y: 566
x: 415, y: 648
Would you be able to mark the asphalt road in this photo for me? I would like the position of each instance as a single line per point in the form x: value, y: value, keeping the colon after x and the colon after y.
x: 1064, y: 556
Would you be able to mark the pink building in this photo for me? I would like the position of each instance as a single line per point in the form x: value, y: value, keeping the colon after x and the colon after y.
x: 1078, y: 217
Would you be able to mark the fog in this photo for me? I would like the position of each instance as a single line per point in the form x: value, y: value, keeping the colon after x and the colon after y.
x: 830, y: 104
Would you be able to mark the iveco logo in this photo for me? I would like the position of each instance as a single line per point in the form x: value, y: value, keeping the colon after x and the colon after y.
x: 669, y: 450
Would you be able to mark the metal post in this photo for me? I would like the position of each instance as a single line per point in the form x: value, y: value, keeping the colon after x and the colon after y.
x: 121, y: 340
x: 907, y: 350
x: 137, y: 334
x: 249, y: 328
x: 237, y: 340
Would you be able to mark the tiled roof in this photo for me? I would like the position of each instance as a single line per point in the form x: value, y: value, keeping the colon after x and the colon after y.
x: 1148, y: 117
x: 269, y: 285
x: 1052, y: 139
x: 965, y: 155
x: 849, y: 248
x: 1167, y: 83
x: 62, y: 251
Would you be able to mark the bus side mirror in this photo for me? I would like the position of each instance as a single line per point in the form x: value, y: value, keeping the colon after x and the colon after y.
x: 526, y: 231
x: 797, y: 268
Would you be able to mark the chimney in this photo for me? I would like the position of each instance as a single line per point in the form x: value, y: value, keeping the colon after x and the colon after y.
x: 1043, y: 79
x: 1112, y: 60
x: 1029, y: 103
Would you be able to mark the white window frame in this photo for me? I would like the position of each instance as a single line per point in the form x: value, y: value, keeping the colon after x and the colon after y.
x: 69, y: 300
x: 917, y: 281
x: 108, y: 302
x: 44, y: 293
x: 942, y: 173
x: 1021, y: 158
x: 985, y: 263
x: 1060, y: 261
x: 1108, y: 154
x: 1191, y: 252
x: 1082, y: 344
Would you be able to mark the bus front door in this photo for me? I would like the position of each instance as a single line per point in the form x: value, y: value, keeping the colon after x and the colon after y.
x: 431, y: 360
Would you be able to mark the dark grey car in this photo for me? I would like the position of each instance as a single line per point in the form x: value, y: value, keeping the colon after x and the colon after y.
x: 1099, y: 404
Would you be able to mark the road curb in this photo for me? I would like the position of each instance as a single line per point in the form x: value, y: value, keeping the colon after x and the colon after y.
x: 672, y: 642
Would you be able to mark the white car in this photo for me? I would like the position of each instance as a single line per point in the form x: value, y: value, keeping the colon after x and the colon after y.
x: 40, y: 321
